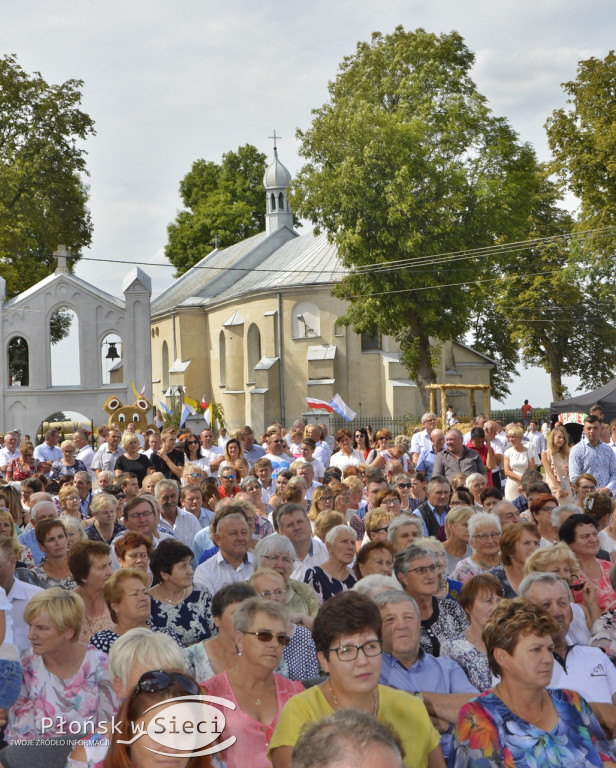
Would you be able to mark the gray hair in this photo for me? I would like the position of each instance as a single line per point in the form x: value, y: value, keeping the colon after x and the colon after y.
x: 166, y: 485
x: 403, y: 559
x: 474, y: 476
x: 541, y: 577
x: 395, y: 596
x: 344, y: 737
x: 481, y: 519
x: 142, y: 647
x: 376, y: 583
x: 403, y: 476
x: 101, y: 501
x: 72, y: 522
x: 400, y: 522
x: 274, y: 544
x: 390, y: 465
x: 333, y: 534
x: 555, y: 514
x: 428, y: 415
x: 437, y: 480
x: 402, y: 443
x: 82, y: 475
x: 248, y: 609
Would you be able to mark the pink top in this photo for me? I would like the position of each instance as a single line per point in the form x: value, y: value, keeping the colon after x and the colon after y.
x: 253, y: 737
x: 605, y: 594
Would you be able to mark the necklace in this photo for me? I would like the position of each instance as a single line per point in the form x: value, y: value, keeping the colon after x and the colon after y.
x: 479, y: 645
x: 374, y: 700
x: 167, y: 600
x: 528, y: 720
x: 485, y: 565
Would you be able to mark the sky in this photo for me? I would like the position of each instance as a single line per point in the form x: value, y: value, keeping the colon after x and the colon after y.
x: 169, y: 83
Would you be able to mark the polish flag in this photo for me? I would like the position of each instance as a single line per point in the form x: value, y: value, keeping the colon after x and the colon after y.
x: 319, y: 405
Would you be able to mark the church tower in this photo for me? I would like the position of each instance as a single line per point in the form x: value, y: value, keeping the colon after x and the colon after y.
x: 277, y: 209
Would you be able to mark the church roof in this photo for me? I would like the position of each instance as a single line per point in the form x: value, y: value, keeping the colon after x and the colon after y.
x: 276, y: 176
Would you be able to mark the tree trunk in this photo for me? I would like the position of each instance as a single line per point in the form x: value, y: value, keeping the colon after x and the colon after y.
x: 556, y: 379
x: 425, y: 372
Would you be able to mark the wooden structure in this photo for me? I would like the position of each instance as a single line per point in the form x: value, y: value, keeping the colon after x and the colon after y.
x: 485, y: 388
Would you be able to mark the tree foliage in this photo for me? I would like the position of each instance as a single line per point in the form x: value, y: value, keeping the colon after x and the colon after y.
x: 42, y: 195
x: 406, y: 161
x: 223, y: 201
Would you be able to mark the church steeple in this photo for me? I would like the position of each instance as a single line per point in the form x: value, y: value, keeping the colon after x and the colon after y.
x: 276, y: 181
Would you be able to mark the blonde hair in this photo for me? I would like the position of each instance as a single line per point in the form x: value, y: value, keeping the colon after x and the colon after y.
x: 376, y: 517
x: 66, y: 610
x: 265, y: 572
x: 140, y: 647
x: 564, y: 450
x: 515, y: 432
x: 541, y: 558
x: 460, y: 514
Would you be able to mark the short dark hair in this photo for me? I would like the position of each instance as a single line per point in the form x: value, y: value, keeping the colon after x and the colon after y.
x: 477, y: 432
x: 332, y: 473
x: 592, y: 419
x: 42, y: 528
x: 490, y: 493
x: 367, y: 549
x: 309, y: 442
x: 34, y: 483
x: 528, y: 477
x: 167, y: 554
x: 80, y: 557
x: 346, y: 613
x: 131, y: 540
x: 236, y: 592
x: 287, y: 509
x: 478, y: 585
x: 567, y: 530
x: 510, y: 537
x: 122, y: 480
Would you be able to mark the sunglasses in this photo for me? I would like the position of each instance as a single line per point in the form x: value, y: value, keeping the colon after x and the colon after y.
x: 404, y: 485
x: 228, y: 477
x: 192, y: 442
x: 265, y: 636
x: 157, y: 680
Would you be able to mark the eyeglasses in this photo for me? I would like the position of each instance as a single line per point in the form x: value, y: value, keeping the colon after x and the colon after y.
x: 404, y: 485
x: 195, y: 474
x: 136, y: 555
x: 268, y: 593
x: 547, y: 509
x: 383, y: 528
x: 423, y: 569
x: 157, y: 680
x: 326, y: 498
x: 278, y: 559
x: 253, y: 488
x: 138, y: 515
x: 265, y: 636
x: 350, y: 652
x: 277, y: 442
x: 484, y: 536
x: 391, y: 502
x: 228, y: 477
x: 587, y: 487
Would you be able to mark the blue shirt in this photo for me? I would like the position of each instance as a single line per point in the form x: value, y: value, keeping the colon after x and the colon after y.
x: 434, y: 675
x: 600, y: 462
x: 425, y: 463
x: 29, y: 539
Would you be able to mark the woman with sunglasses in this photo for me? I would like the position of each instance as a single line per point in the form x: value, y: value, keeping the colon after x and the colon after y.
x: 347, y: 636
x: 262, y: 630
x: 137, y: 711
x: 361, y: 442
x: 192, y: 450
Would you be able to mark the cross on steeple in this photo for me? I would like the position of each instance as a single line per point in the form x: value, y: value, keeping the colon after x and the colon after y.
x: 274, y: 137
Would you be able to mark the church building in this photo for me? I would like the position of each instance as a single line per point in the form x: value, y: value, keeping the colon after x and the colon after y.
x: 254, y: 327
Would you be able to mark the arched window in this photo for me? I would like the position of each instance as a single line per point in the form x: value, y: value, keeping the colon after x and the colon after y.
x: 371, y: 341
x: 222, y: 358
x: 18, y: 362
x: 165, y: 364
x: 281, y: 201
x: 64, y: 351
x: 273, y: 201
x: 253, y: 345
x: 111, y: 359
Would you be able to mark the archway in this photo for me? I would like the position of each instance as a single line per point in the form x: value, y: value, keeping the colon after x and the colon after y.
x: 111, y: 359
x: 67, y: 422
x: 64, y: 348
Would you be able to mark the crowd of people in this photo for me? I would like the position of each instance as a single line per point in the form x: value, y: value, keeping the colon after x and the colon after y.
x: 440, y: 598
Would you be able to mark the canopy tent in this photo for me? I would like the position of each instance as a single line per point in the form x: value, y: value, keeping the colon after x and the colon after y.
x: 605, y: 396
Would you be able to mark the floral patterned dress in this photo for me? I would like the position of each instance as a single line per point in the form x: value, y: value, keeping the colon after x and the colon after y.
x: 325, y: 586
x: 191, y: 620
x: 86, y: 697
x: 489, y: 735
x: 606, y: 597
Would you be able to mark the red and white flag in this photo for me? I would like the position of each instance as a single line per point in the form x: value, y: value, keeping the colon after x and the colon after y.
x: 319, y: 405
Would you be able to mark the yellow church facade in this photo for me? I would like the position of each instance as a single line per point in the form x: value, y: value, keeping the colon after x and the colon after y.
x: 254, y: 328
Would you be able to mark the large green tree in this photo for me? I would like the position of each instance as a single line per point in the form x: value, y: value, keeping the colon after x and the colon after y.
x: 405, y: 161
x: 42, y: 194
x: 224, y: 203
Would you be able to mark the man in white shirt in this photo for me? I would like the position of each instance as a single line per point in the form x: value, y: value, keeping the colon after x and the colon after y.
x: 536, y: 438
x: 210, y: 452
x: 155, y: 443
x: 263, y: 469
x: 580, y: 668
x: 322, y: 451
x: 180, y: 522
x: 291, y: 520
x: 307, y: 448
x: 233, y: 561
x: 18, y: 593
x: 11, y: 451
x: 306, y: 472
x: 421, y: 440
x: 48, y: 451
x: 84, y: 450
x: 326, y: 437
x: 107, y: 455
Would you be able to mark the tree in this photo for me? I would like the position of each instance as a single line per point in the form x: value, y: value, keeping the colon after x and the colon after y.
x: 583, y: 142
x: 42, y: 195
x: 225, y: 202
x: 405, y: 161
